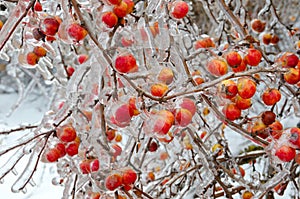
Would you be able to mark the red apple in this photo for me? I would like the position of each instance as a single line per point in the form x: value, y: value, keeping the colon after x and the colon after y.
x: 217, y: 67
x: 253, y: 57
x: 231, y: 111
x: 246, y: 88
x: 77, y: 32
x: 233, y: 59
x: 179, y: 9
x: 285, y: 153
x: 227, y: 89
x: 126, y: 63
x: 271, y: 96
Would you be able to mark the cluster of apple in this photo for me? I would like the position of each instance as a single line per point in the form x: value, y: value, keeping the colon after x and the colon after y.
x: 89, y: 165
x: 68, y: 143
x: 123, y: 114
x: 48, y: 29
x: 291, y: 62
x: 163, y: 120
x: 120, y: 9
x: 124, y: 178
x: 267, y: 38
x: 34, y: 56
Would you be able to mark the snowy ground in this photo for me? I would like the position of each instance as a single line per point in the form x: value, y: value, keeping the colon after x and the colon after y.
x: 30, y: 112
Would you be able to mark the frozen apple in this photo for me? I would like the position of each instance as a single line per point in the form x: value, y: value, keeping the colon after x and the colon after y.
x: 32, y: 58
x: 50, y: 26
x: 266, y: 38
x: 166, y: 75
x: 233, y: 59
x: 52, y: 155
x: 292, y: 76
x: 40, y: 51
x: 242, y: 103
x: 113, y: 181
x: 123, y: 115
x: 183, y: 117
x: 204, y: 43
x: 240, y: 68
x: 159, y: 89
x: 188, y: 104
x: 275, y: 129
x: 130, y: 6
x: 114, y: 2
x: 258, y: 25
x: 285, y: 153
x: 77, y: 32
x: 66, y: 133
x: 268, y: 117
x: 227, y: 89
x: 110, y: 19
x: 253, y: 57
x: 246, y: 88
x: 129, y: 176
x: 295, y: 137
x: 231, y: 111
x: 217, y: 67
x: 121, y: 9
x: 126, y: 63
x: 288, y: 60
x: 271, y: 96
x: 179, y: 9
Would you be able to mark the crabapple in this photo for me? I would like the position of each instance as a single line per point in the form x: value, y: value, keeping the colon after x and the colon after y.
x: 152, y: 146
x: 82, y: 58
x: 40, y: 51
x: 132, y: 106
x: 242, y: 103
x: 292, y: 76
x: 247, y: 195
x: 159, y: 89
x: 188, y: 104
x: 258, y: 25
x: 166, y: 75
x: 288, y: 60
x: 38, y: 7
x: 183, y: 117
x: 32, y: 58
x: 271, y: 96
x: 72, y: 148
x: 233, y: 59
x: 129, y: 176
x: 110, y: 19
x: 228, y: 89
x: 246, y: 88
x: 231, y: 111
x: 66, y: 133
x: 240, y: 68
x: 274, y: 39
x: 295, y: 136
x: 121, y: 9
x: 123, y: 115
x: 204, y: 43
x: 126, y: 63
x: 53, y: 155
x: 179, y: 9
x: 242, y: 171
x: 113, y: 181
x: 110, y: 134
x: 285, y: 153
x: 253, y: 57
x: 114, y: 2
x: 268, y: 117
x: 130, y: 6
x: 266, y: 38
x: 217, y: 67
x: 50, y: 26
x: 117, y: 150
x: 259, y: 128
x: 77, y: 32
x: 38, y: 34
x: 275, y: 129
x: 70, y: 71
x: 61, y: 148
x: 162, y: 125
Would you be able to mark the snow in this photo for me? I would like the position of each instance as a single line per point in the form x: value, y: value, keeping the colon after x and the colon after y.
x: 30, y: 112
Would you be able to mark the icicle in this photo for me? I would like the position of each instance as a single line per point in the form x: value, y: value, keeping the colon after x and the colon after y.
x: 11, y: 162
x: 29, y: 170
